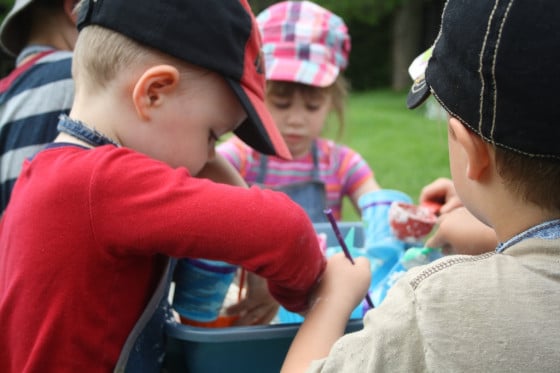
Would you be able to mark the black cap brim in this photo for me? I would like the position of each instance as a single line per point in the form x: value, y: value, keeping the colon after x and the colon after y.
x: 418, y: 93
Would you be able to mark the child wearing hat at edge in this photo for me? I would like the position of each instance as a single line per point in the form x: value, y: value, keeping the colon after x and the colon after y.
x: 94, y: 217
x: 40, y: 35
x: 306, y: 49
x: 495, y: 71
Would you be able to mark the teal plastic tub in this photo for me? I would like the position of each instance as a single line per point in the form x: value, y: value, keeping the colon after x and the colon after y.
x: 344, y: 228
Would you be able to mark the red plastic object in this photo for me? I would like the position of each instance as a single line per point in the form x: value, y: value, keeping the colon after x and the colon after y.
x: 411, y: 223
x: 432, y: 206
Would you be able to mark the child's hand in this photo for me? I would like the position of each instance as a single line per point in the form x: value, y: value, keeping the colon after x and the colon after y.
x: 441, y: 191
x: 258, y: 307
x: 342, y: 287
x: 459, y: 232
x: 343, y: 284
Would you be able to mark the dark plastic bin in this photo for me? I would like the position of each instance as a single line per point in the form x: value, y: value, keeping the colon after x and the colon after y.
x: 243, y: 349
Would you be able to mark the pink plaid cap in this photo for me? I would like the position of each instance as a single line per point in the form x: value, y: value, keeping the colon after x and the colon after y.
x: 303, y: 42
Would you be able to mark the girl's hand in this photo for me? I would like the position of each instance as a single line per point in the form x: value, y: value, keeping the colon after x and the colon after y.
x: 441, y: 191
x: 258, y: 307
x: 459, y: 232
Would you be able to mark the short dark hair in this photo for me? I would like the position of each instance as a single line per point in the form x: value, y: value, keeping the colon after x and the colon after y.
x: 534, y: 179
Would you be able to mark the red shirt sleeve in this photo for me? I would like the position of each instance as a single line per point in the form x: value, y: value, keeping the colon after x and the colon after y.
x: 143, y: 207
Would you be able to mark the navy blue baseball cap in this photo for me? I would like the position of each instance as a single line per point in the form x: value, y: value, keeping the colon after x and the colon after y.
x: 495, y: 66
x: 219, y: 35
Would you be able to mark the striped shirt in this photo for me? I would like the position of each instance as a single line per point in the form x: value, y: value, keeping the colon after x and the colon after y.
x: 341, y: 169
x: 31, y: 99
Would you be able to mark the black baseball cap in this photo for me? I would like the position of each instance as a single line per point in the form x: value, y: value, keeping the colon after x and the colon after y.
x: 219, y: 35
x: 495, y: 66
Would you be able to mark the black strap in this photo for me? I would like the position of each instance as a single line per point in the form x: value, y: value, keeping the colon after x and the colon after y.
x: 152, y: 305
x: 314, y: 172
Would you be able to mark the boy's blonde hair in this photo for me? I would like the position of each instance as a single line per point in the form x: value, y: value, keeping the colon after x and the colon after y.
x: 338, y: 91
x: 100, y: 54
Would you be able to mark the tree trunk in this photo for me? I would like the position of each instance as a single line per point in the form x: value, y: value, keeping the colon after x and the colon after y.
x: 406, y: 39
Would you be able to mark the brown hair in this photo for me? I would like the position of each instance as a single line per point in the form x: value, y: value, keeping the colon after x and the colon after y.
x: 338, y: 90
x: 534, y: 179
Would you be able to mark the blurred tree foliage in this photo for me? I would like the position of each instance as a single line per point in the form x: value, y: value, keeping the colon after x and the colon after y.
x: 386, y: 36
x: 4, y: 7
x: 364, y: 11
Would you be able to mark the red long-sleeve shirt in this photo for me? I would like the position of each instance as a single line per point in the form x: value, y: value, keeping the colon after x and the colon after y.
x: 82, y: 242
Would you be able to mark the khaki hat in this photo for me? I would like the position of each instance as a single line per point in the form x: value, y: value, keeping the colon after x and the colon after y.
x: 14, y: 28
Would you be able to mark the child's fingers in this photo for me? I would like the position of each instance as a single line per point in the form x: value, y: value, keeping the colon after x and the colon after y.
x: 441, y: 191
x: 346, y: 279
x: 436, y: 240
x: 437, y: 191
x: 451, y: 204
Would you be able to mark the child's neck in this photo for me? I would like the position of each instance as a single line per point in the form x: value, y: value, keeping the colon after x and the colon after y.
x: 517, y: 216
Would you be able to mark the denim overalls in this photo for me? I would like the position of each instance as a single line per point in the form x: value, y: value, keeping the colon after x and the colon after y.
x: 310, y: 195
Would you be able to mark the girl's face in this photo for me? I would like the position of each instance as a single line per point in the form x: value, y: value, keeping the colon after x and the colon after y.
x: 300, y: 113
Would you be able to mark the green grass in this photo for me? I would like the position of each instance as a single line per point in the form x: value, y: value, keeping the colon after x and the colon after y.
x: 405, y: 149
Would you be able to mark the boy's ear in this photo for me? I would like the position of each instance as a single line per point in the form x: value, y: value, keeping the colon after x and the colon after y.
x: 152, y: 88
x: 476, y: 149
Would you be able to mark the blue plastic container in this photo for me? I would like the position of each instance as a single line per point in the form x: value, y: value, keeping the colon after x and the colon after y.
x: 200, y: 288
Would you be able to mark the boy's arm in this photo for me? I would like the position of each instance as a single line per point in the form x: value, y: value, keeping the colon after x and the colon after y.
x: 258, y: 307
x: 167, y: 211
x: 220, y: 170
x: 341, y: 288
